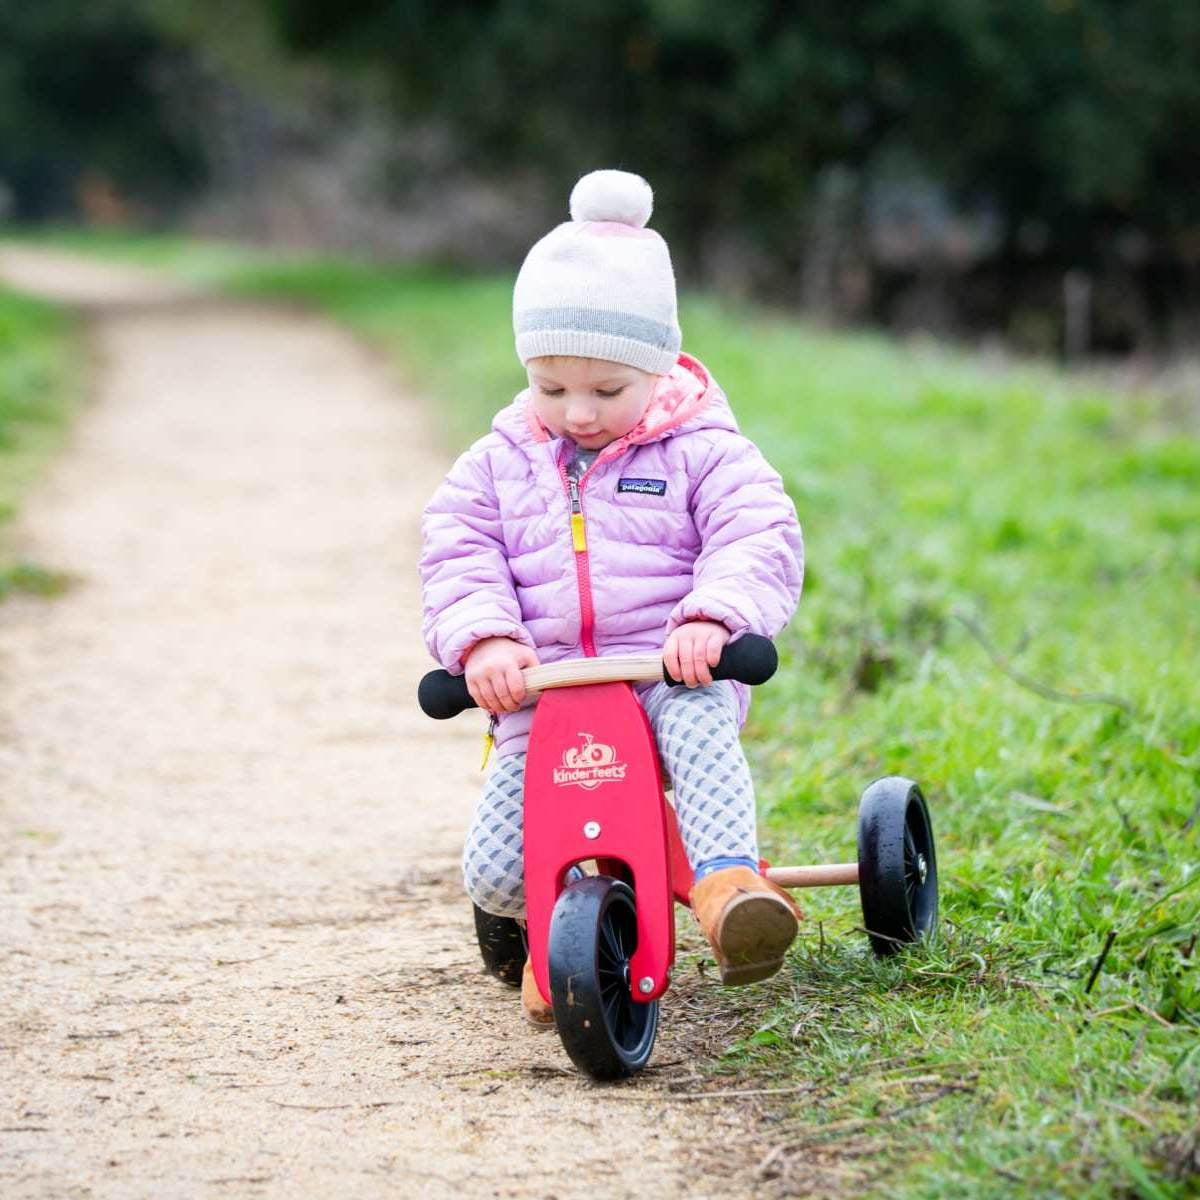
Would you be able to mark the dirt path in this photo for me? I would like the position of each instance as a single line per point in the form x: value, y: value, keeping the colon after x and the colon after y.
x: 237, y: 959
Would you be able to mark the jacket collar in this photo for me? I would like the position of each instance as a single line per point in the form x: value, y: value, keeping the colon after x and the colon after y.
x: 687, y: 396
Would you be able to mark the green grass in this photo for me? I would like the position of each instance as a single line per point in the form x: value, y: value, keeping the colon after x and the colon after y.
x: 1002, y: 602
x: 39, y: 389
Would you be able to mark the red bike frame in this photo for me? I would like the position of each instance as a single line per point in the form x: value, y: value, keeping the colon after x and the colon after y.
x: 593, y: 790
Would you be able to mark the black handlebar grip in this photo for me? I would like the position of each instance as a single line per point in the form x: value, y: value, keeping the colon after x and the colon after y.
x: 751, y: 659
x: 443, y: 695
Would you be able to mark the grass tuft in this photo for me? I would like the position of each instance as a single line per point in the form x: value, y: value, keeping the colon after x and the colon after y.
x: 39, y: 388
x: 33, y: 580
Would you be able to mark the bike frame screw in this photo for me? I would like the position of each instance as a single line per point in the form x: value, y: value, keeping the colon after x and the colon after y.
x: 591, y: 829
x: 645, y: 985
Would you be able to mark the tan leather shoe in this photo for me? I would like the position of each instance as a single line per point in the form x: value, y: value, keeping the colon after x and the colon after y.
x: 749, y: 921
x: 537, y: 1012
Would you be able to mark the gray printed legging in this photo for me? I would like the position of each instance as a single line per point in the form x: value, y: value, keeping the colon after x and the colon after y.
x: 697, y: 735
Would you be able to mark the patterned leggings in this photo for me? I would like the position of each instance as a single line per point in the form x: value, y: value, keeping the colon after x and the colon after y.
x: 697, y: 735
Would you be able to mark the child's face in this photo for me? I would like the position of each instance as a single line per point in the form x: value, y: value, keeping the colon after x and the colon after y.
x: 591, y: 401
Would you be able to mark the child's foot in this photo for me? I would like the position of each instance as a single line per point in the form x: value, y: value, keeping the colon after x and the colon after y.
x: 537, y: 1012
x: 749, y: 921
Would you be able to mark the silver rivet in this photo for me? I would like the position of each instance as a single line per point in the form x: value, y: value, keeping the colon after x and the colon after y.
x: 645, y: 985
x: 592, y: 829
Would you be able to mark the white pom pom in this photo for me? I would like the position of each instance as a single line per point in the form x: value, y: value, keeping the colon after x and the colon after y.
x: 612, y: 196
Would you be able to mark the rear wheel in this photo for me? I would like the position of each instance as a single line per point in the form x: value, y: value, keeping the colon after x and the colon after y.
x: 897, y: 864
x: 593, y: 933
x: 502, y: 946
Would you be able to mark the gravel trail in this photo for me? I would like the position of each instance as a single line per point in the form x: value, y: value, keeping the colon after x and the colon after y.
x: 237, y: 958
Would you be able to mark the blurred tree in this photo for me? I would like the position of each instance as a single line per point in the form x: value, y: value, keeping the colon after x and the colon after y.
x: 1075, y: 121
x: 874, y: 158
x: 81, y: 124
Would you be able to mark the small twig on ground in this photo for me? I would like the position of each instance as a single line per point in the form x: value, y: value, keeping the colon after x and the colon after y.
x: 1108, y: 941
x: 768, y: 1160
x: 882, y: 936
x: 853, y: 1125
x: 1142, y: 1008
x: 737, y: 1021
x: 330, y: 1107
x: 946, y: 1090
x: 1128, y: 1112
x: 311, y: 1107
x: 671, y: 1096
x: 1041, y: 689
x: 552, y: 1071
x: 910, y: 1080
x: 1108, y: 1012
x: 1149, y: 1012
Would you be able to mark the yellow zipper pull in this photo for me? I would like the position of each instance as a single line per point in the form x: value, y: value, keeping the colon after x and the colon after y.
x: 578, y: 536
x: 489, y: 740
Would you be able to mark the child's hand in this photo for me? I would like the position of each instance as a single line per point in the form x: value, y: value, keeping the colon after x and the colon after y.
x: 693, y: 650
x: 493, y: 673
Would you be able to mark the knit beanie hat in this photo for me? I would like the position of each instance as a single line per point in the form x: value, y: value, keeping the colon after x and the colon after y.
x: 600, y: 285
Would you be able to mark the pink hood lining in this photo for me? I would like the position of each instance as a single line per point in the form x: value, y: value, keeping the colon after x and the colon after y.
x: 679, y: 395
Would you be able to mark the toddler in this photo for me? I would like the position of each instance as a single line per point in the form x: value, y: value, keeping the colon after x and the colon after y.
x: 613, y: 509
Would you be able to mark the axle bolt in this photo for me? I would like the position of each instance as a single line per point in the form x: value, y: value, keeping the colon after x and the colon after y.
x: 645, y: 985
x: 591, y: 829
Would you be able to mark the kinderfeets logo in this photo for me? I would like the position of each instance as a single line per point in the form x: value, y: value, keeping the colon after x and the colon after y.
x: 589, y: 765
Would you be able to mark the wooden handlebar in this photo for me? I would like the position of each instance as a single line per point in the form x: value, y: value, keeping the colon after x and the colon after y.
x: 635, y: 668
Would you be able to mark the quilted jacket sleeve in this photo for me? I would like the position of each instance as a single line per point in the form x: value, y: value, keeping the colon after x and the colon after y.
x: 750, y: 568
x: 467, y: 586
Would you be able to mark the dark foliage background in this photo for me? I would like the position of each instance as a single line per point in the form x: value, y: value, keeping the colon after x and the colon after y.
x: 81, y: 100
x: 964, y: 165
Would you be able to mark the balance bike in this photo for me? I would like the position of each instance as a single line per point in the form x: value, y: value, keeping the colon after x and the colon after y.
x: 603, y: 944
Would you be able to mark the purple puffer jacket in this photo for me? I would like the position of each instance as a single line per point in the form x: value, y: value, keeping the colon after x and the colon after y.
x: 679, y: 520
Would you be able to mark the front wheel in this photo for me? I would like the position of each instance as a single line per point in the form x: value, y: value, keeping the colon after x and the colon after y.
x: 593, y: 932
x: 897, y: 865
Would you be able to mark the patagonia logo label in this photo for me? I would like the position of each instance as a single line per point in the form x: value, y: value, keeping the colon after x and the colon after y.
x: 647, y: 487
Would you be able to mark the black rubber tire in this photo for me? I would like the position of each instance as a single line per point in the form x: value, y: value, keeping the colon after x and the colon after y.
x: 897, y: 864
x: 606, y: 1033
x: 502, y: 946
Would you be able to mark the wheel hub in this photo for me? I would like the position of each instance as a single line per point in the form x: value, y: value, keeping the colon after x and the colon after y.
x: 922, y: 868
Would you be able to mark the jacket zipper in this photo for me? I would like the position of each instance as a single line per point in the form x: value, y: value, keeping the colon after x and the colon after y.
x: 579, y: 545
